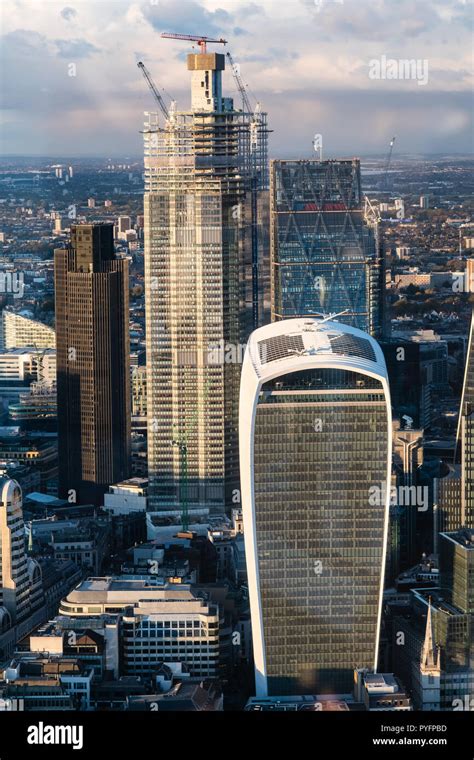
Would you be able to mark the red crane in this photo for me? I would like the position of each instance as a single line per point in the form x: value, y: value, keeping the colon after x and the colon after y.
x: 201, y: 40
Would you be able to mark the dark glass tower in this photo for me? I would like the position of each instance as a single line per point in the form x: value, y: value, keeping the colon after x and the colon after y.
x: 324, y: 257
x: 315, y: 458
x: 92, y: 341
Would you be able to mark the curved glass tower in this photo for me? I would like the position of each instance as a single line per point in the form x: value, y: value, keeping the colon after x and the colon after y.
x: 315, y: 458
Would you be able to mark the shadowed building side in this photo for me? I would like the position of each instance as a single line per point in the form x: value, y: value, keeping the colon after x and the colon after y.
x: 92, y: 337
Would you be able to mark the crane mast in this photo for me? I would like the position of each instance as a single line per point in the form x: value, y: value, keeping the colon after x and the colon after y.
x: 154, y: 89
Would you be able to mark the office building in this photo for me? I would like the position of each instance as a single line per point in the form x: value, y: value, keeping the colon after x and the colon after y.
x: 93, y: 376
x: 18, y: 331
x: 14, y: 577
x: 417, y: 368
x: 465, y: 436
x: 456, y: 564
x: 315, y: 457
x: 324, y: 257
x: 197, y: 177
x: 174, y: 627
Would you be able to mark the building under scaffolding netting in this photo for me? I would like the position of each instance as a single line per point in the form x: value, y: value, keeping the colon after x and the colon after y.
x: 205, y: 170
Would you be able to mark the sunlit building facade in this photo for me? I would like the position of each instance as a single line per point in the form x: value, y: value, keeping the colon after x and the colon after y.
x: 315, y: 460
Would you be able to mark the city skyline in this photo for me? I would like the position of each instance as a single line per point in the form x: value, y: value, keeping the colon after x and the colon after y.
x: 317, y: 80
x: 237, y: 379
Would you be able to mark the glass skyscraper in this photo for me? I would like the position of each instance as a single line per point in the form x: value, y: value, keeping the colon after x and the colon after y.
x: 315, y: 461
x: 197, y: 179
x: 325, y: 258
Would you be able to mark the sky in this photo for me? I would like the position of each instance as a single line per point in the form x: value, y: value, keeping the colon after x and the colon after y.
x: 71, y: 87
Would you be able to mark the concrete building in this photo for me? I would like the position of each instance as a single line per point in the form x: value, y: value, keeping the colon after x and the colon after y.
x: 159, y: 623
x: 127, y: 497
x: 18, y: 331
x: 138, y: 385
x: 380, y: 692
x: 315, y: 437
x: 174, y: 626
x: 48, y: 683
x: 198, y: 174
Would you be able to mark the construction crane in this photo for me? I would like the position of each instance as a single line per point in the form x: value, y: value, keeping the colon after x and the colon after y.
x: 200, y: 39
x: 240, y: 84
x: 387, y: 164
x: 154, y: 89
x: 254, y: 124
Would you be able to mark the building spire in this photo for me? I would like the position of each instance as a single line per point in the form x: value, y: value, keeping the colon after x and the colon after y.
x: 429, y: 656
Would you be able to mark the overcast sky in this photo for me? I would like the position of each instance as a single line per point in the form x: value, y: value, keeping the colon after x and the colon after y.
x: 306, y: 61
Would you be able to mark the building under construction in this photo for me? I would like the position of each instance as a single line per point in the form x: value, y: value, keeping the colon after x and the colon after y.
x: 204, y: 171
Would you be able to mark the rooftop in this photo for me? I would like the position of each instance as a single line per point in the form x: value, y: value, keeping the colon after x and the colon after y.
x: 301, y: 343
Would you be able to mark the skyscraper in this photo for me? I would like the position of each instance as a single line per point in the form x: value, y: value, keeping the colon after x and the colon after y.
x: 466, y: 436
x: 315, y: 461
x: 197, y: 177
x: 324, y: 257
x: 93, y: 374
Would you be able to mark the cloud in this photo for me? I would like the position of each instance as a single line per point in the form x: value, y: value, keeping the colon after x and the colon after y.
x: 186, y: 17
x: 309, y: 70
x: 74, y: 49
x: 68, y: 13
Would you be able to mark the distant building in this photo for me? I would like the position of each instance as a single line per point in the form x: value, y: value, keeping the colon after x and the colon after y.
x: 18, y: 331
x: 139, y: 406
x: 324, y: 257
x: 91, y: 202
x: 470, y: 273
x: 423, y: 280
x: 417, y: 366
x: 93, y: 378
x: 424, y: 201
